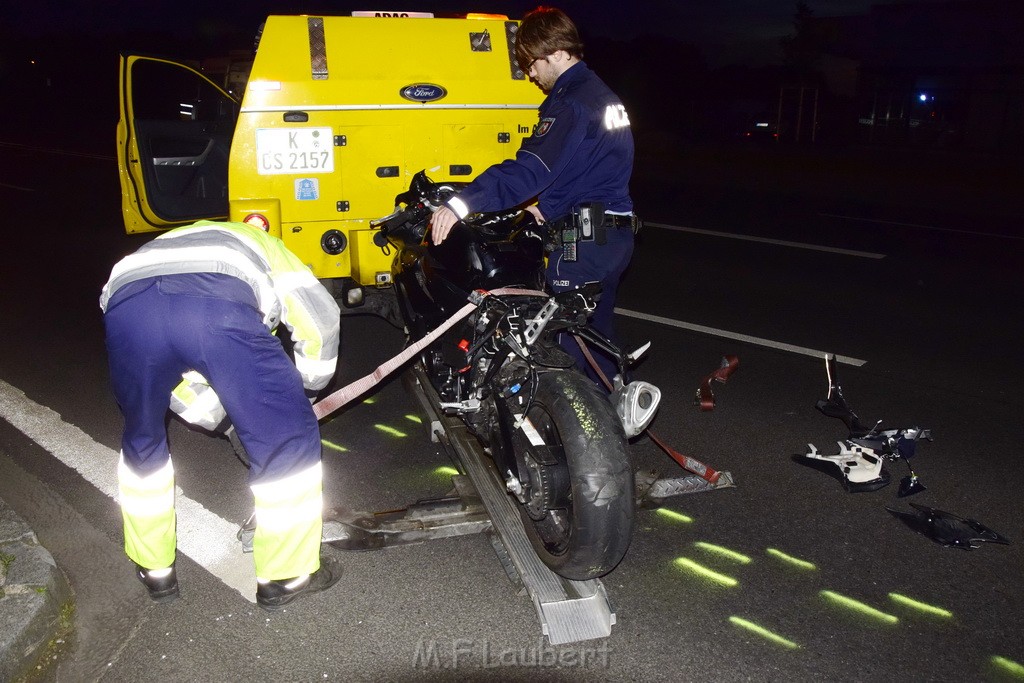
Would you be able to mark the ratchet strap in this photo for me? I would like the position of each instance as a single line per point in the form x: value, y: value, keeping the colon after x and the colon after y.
x: 342, y: 396
x: 705, y: 397
x: 688, y: 463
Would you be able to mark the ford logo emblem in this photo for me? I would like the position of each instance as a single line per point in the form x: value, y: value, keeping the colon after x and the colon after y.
x: 423, y: 92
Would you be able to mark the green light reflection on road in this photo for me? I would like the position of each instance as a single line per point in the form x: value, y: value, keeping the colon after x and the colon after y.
x: 920, y: 606
x: 390, y: 430
x: 702, y: 571
x: 764, y: 633
x: 859, y: 607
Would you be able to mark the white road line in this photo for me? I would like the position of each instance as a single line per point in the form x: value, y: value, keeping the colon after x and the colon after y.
x: 765, y: 240
x: 737, y: 336
x: 203, y: 536
x: 51, y: 150
x: 919, y: 225
x: 18, y: 187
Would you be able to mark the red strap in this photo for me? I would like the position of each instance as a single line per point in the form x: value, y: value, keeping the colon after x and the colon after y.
x: 342, y: 396
x: 684, y: 461
x: 705, y: 397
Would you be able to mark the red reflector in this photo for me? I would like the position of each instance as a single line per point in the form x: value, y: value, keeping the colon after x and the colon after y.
x: 464, y: 345
x: 257, y: 220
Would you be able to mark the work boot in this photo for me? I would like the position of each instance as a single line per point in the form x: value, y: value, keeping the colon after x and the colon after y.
x: 273, y: 595
x: 162, y: 584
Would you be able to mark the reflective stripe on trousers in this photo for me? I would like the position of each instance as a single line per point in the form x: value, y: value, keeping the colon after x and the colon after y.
x: 289, y: 524
x: 147, y: 506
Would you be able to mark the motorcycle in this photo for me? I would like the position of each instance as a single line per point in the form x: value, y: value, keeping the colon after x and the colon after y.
x: 559, y: 442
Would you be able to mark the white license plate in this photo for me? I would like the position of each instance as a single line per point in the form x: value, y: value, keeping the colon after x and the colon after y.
x: 294, y: 150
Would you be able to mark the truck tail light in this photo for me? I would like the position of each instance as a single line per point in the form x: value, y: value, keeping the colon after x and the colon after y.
x: 257, y: 220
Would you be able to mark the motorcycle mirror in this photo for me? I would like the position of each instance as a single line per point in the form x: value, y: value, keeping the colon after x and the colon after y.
x: 635, y: 355
x: 909, y: 485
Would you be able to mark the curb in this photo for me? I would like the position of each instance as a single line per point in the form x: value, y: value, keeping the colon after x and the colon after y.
x: 33, y: 596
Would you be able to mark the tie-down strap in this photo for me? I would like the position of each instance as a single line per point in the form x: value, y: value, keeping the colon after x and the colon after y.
x: 342, y: 396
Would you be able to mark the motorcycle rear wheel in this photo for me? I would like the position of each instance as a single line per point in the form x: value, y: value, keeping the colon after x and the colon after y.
x: 587, y: 533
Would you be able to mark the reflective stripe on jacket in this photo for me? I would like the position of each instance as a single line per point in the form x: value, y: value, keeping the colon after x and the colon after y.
x: 286, y: 290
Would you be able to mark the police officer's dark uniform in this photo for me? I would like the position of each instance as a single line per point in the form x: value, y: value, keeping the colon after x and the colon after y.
x: 580, y: 154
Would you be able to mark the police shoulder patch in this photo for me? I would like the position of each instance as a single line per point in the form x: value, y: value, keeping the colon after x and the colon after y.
x: 542, y: 127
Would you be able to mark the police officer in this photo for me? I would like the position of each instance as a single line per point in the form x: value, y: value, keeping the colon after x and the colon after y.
x: 193, y: 312
x: 577, y: 163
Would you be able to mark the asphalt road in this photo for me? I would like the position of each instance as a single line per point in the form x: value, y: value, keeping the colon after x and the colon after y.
x: 915, y: 284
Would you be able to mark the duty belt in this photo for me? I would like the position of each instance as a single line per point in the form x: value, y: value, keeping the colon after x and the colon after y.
x: 587, y: 222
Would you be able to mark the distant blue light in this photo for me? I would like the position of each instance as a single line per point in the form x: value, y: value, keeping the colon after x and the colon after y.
x: 923, y: 97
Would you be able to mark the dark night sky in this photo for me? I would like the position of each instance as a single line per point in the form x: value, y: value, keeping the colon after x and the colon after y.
x: 723, y: 29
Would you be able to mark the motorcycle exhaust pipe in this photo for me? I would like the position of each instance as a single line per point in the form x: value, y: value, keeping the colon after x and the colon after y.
x: 636, y: 404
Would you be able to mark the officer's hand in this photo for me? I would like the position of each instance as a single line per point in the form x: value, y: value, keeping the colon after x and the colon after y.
x: 535, y: 210
x: 441, y: 224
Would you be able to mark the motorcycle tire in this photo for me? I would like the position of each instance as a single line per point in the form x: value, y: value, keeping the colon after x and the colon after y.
x: 589, y: 536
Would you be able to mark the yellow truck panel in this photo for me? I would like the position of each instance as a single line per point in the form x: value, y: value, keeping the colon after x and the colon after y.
x: 340, y: 112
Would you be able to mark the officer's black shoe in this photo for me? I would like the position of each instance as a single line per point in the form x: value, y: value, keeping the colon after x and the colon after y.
x: 273, y: 595
x: 161, y: 583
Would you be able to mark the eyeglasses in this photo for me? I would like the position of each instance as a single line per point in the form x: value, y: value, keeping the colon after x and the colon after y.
x: 529, y: 67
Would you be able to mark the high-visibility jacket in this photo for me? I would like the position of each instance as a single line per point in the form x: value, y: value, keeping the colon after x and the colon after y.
x: 285, y: 289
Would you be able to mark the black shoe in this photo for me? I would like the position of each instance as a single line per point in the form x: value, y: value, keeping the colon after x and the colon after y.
x: 161, y: 589
x: 274, y: 595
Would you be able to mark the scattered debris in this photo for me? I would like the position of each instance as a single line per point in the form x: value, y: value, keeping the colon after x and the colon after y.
x: 948, y: 529
x: 862, y: 454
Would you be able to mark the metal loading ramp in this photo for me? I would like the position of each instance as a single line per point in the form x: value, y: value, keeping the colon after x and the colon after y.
x: 569, y: 611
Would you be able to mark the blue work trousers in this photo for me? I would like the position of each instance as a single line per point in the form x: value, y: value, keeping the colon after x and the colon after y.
x: 170, y: 324
x: 604, y: 263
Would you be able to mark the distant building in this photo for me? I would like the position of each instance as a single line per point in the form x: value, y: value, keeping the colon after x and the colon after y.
x: 938, y: 74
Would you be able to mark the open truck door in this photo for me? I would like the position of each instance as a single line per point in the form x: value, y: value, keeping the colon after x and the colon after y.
x: 173, y: 141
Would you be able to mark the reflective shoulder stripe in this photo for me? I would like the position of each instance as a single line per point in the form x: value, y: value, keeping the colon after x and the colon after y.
x: 199, y: 259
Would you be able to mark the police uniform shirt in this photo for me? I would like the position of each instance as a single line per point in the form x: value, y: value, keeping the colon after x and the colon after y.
x: 581, y: 150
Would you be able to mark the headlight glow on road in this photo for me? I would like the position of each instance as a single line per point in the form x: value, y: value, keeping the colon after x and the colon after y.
x: 859, y: 607
x: 333, y: 446
x: 723, y: 552
x: 391, y: 430
x: 674, y: 516
x: 1009, y: 666
x: 789, y: 559
x: 704, y: 572
x: 764, y: 633
x: 920, y: 606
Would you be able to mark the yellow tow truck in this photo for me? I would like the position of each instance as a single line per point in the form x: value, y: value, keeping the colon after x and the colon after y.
x: 338, y: 114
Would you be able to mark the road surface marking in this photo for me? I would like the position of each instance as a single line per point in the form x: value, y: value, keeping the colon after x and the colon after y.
x: 848, y: 360
x: 61, y: 152
x: 205, y: 537
x: 18, y: 187
x: 765, y: 240
x: 923, y: 227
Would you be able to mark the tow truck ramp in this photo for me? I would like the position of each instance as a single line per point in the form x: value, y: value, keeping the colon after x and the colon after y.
x: 569, y: 611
